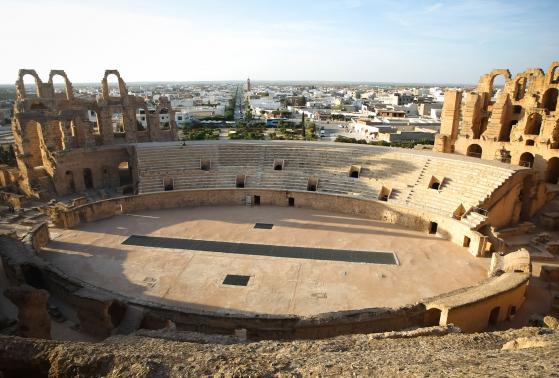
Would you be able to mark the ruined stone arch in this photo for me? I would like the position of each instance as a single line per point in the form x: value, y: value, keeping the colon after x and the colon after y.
x: 474, y: 150
x: 20, y: 85
x: 533, y: 124
x: 549, y: 99
x: 552, y: 172
x: 67, y: 84
x: 526, y: 160
x: 553, y: 73
x: 487, y: 81
x: 520, y: 87
x: 105, y: 84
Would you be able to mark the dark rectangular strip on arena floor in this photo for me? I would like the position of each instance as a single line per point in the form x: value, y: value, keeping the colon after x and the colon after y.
x: 264, y: 250
x: 264, y: 226
x: 236, y: 280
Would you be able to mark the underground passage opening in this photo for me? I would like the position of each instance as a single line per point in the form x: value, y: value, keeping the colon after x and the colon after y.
x: 354, y: 171
x: 240, y: 181
x: 124, y: 173
x: 433, y: 226
x: 432, y: 317
x: 168, y: 184
x: 312, y: 184
x: 552, y: 174
x: 116, y: 312
x: 33, y: 276
x: 530, y: 142
x: 70, y: 182
x: 205, y: 165
x: 256, y: 200
x: 494, y: 316
x: 278, y: 165
x: 87, y: 178
x: 384, y: 194
x: 474, y: 150
x: 236, y: 280
x: 467, y: 241
x: 291, y: 201
x: 526, y: 160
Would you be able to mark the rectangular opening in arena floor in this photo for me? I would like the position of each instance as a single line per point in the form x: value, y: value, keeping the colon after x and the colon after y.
x: 387, y: 258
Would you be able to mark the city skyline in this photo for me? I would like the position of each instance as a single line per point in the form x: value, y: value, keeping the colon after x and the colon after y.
x: 334, y: 41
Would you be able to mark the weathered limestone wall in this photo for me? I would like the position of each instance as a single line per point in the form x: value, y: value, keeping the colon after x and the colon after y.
x: 102, y: 163
x: 471, y: 310
x: 519, y: 124
x: 49, y: 125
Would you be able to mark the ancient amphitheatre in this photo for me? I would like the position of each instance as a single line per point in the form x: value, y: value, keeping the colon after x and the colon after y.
x: 277, y: 239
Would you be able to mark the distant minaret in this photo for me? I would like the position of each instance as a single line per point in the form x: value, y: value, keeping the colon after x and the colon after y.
x: 248, y: 84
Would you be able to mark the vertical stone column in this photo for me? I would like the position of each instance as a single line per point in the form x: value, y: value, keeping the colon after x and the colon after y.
x: 450, y: 121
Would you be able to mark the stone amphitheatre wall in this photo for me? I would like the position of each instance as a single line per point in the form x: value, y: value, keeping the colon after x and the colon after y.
x: 448, y: 228
x: 101, y: 311
x: 519, y: 124
x: 58, y: 135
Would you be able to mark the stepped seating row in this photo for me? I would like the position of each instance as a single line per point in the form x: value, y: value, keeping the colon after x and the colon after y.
x: 406, y: 176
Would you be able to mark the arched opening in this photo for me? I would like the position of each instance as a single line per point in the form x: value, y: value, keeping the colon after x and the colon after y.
x: 113, y: 85
x: 549, y: 100
x: 240, y: 181
x: 474, y: 150
x: 312, y: 184
x: 494, y: 316
x: 87, y: 178
x: 552, y: 173
x: 526, y: 160
x: 497, y: 85
x: 354, y: 171
x: 93, y: 119
x: 168, y: 184
x: 504, y: 135
x: 141, y: 119
x: 124, y: 173
x: 384, y: 194
x: 117, y: 121
x: 520, y: 88
x: 432, y: 317
x: 555, y: 75
x: 69, y: 179
x: 59, y: 84
x: 534, y: 124
x: 278, y: 165
x: 530, y: 142
x: 30, y: 86
x: 164, y: 119
x: 434, y: 183
x: 511, y: 312
x: 433, y: 227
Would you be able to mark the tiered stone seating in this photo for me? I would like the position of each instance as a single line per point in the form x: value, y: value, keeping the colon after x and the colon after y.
x: 462, y: 183
x: 406, y: 173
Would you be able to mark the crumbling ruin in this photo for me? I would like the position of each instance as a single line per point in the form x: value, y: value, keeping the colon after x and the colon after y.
x: 66, y: 144
x: 518, y: 124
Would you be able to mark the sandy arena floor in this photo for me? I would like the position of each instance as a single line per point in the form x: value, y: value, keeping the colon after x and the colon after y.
x: 428, y: 265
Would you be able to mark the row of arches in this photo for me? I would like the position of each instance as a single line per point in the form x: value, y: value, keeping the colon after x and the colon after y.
x: 31, y: 84
x: 526, y: 159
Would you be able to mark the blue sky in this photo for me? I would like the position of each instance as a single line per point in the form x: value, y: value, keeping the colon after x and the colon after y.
x: 339, y: 40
